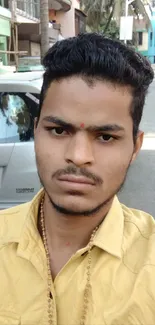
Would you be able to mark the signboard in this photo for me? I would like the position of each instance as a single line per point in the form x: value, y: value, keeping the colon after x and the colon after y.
x: 126, y: 28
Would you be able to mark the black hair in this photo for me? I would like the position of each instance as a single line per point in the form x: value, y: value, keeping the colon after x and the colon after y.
x: 93, y: 56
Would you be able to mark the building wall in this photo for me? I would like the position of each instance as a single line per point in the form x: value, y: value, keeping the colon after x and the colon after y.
x: 67, y: 20
x: 24, y: 19
x: 5, y: 31
x: 32, y: 48
x: 151, y: 40
x: 3, y: 47
x: 35, y: 49
x: 24, y: 45
x: 4, y: 27
x: 140, y: 27
x: 144, y: 46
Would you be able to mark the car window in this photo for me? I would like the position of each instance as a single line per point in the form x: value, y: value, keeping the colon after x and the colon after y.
x: 17, y: 114
x: 3, y: 122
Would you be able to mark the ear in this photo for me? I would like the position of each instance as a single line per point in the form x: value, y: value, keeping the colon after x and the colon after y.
x: 138, y: 144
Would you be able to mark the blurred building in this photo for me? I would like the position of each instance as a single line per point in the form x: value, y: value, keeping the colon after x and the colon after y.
x: 142, y: 37
x: 23, y: 16
x: 5, y: 29
x: 146, y: 36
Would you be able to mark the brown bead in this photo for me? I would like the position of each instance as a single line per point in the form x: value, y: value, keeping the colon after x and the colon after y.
x: 88, y: 270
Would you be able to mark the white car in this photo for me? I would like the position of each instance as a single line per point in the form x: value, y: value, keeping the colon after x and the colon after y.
x: 19, y: 101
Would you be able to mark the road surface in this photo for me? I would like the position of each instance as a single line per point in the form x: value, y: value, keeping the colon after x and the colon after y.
x: 139, y: 189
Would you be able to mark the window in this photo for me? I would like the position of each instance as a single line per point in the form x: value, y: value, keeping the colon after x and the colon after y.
x: 29, y: 7
x: 140, y: 38
x: 80, y: 22
x: 4, y: 3
x: 17, y: 113
x: 21, y: 5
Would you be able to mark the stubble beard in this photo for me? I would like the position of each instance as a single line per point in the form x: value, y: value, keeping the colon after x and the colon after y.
x: 89, y: 212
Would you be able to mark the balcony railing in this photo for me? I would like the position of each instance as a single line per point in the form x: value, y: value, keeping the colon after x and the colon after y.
x: 29, y: 8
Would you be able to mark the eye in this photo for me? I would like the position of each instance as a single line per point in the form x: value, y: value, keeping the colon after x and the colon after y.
x: 106, y: 138
x: 57, y: 131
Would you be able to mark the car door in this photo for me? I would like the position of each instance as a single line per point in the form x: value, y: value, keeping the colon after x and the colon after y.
x: 5, y: 148
x: 19, y: 180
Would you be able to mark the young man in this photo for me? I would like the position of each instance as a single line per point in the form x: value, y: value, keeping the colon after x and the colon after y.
x: 75, y: 255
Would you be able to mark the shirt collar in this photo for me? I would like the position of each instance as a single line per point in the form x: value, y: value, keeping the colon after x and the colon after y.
x: 108, y: 237
x: 110, y: 234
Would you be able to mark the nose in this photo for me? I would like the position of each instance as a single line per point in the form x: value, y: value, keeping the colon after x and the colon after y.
x: 79, y: 150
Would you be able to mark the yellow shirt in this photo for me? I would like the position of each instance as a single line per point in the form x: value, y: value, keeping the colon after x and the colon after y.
x: 123, y: 271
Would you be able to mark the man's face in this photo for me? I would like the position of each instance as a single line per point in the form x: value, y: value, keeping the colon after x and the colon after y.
x: 84, y: 143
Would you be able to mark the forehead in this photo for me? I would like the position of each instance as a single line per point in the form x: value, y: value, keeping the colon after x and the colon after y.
x: 75, y: 99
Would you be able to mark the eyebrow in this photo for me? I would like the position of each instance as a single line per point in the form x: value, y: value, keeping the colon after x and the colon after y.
x: 93, y: 128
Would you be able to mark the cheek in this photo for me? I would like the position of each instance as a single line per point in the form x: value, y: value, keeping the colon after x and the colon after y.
x: 114, y: 161
x: 48, y: 156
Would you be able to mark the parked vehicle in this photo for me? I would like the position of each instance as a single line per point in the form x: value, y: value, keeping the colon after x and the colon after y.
x: 19, y: 101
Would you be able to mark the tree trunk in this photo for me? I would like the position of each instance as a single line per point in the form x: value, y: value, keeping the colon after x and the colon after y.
x: 109, y: 18
x: 44, y: 23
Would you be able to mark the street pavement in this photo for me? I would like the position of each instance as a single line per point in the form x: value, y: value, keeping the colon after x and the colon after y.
x: 139, y: 189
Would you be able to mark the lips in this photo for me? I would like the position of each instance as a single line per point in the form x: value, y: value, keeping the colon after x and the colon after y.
x: 76, y: 179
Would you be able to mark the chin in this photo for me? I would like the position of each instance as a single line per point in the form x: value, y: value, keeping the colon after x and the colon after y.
x: 75, y: 206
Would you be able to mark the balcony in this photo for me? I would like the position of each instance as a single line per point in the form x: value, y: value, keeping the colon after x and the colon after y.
x: 32, y: 32
x: 28, y: 9
x: 64, y: 5
x: 31, y: 8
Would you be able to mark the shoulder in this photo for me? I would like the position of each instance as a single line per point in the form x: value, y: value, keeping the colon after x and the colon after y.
x: 140, y: 220
x: 14, y: 211
x: 138, y: 239
x: 12, y: 221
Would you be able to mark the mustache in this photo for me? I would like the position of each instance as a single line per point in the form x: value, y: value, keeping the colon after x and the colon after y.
x: 72, y: 170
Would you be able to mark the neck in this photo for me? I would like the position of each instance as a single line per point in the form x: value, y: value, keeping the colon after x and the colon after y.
x: 72, y: 232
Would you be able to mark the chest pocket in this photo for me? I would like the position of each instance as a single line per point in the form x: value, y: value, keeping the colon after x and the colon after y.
x: 9, y: 318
